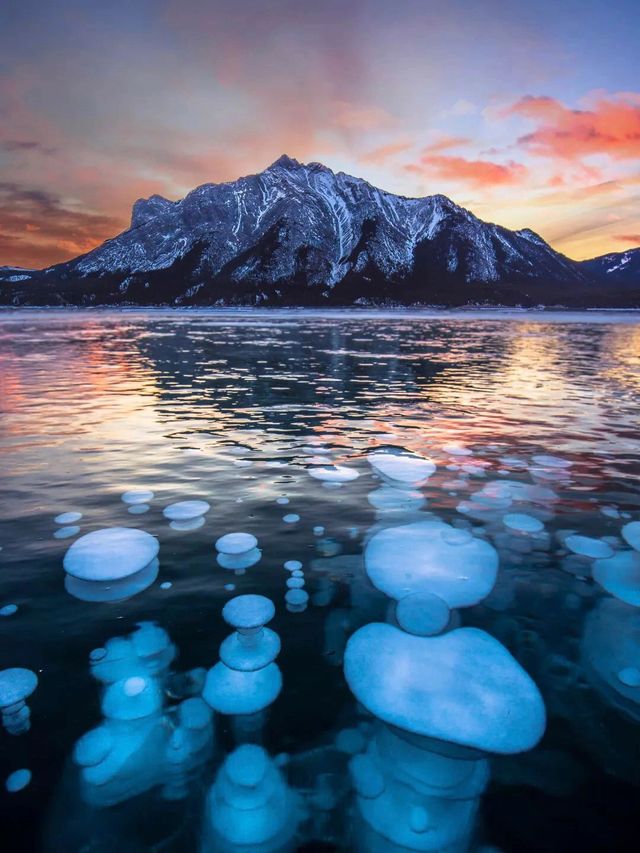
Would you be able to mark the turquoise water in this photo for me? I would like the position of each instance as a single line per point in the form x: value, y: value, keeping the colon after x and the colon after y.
x: 236, y: 409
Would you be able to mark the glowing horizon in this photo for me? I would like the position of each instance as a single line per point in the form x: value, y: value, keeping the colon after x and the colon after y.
x: 527, y: 116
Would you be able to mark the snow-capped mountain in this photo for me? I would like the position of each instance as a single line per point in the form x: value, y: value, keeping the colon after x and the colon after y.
x: 303, y: 235
x: 617, y: 269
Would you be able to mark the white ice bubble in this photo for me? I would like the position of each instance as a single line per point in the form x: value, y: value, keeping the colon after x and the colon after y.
x: 111, y: 553
x: 239, y: 562
x: 66, y: 532
x: 16, y: 684
x: 231, y: 691
x: 462, y: 687
x: 112, y: 590
x: 186, y: 510
x: 188, y: 524
x: 291, y: 518
x: 138, y: 509
x: 587, y: 546
x: 423, y: 614
x: 236, y: 543
x: 297, y: 597
x: 401, y: 469
x: 166, y: 585
x: 248, y: 611
x: 620, y: 575
x: 318, y: 530
x: 137, y: 496
x: 334, y: 474
x: 8, y: 609
x: 522, y: 523
x: 282, y: 501
x: 293, y: 565
x: 631, y: 534
x: 417, y: 558
x: 17, y: 780
x: 68, y: 517
x: 295, y: 583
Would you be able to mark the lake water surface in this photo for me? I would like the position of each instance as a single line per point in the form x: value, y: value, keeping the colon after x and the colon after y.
x: 258, y: 414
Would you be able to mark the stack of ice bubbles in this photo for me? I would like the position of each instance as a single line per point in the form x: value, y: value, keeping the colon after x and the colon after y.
x: 402, y: 475
x: 68, y: 522
x: 237, y: 551
x: 245, y: 680
x: 16, y: 685
x: 140, y: 743
x: 111, y: 564
x: 250, y: 805
x: 186, y: 515
x: 581, y: 553
x: 296, y: 597
x: 442, y: 703
x: 137, y: 500
x: 619, y: 573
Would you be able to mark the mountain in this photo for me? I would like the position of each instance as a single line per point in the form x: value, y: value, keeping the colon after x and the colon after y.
x: 303, y: 235
x: 620, y: 270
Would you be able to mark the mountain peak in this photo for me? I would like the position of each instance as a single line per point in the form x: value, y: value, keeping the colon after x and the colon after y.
x: 285, y: 162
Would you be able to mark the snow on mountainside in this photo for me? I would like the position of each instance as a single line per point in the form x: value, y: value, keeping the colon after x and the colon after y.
x: 302, y: 234
x: 617, y: 268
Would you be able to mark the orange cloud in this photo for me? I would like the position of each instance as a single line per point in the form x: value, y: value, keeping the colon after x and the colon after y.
x: 380, y: 155
x: 445, y: 143
x: 611, y: 126
x: 474, y: 173
x: 634, y: 239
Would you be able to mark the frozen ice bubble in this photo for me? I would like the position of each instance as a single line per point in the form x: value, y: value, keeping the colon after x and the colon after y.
x: 587, y: 546
x: 137, y: 496
x: 456, y: 450
x: 93, y: 747
x: 462, y: 687
x: 620, y: 575
x: 297, y: 573
x: 318, y: 530
x: 422, y: 613
x: 367, y: 778
x: 401, y: 468
x: 522, y: 523
x: 68, y: 517
x: 295, y: 583
x: 293, y: 565
x: 231, y: 691
x: 291, y: 518
x: 252, y: 652
x: 185, y: 510
x: 189, y: 524
x: 112, y: 590
x: 416, y: 558
x: 297, y: 597
x: 282, y: 501
x: 66, y: 532
x: 350, y: 741
x: 131, y: 698
x: 239, y: 562
x: 166, y: 585
x: 247, y: 765
x: 229, y: 587
x: 138, y: 509
x: 110, y: 554
x: 631, y: 534
x: 8, y: 609
x: 17, y: 780
x: 16, y: 684
x: 630, y: 676
x: 236, y: 543
x: 248, y: 611
x: 334, y: 474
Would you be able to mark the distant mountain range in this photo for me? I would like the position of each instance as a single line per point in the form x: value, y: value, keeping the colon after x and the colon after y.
x: 300, y: 234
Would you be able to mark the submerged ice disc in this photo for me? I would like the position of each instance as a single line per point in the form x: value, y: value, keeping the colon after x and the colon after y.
x: 110, y: 554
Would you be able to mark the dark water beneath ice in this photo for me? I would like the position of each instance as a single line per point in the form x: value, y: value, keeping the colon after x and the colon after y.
x: 232, y: 408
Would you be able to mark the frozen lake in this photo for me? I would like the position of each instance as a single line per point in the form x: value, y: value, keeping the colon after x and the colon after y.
x: 481, y: 467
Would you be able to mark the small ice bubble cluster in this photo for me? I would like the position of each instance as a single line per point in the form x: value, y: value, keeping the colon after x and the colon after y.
x: 186, y: 515
x: 237, y: 551
x: 68, y: 525
x: 250, y: 804
x: 431, y: 557
x: 402, y: 470
x: 245, y: 680
x: 111, y: 564
x: 16, y: 685
x: 140, y: 743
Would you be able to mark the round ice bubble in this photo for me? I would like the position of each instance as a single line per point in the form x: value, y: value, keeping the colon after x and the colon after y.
x: 8, y: 609
x: 630, y: 676
x: 236, y: 543
x: 551, y: 461
x: 456, y: 450
x: 138, y: 509
x: 68, y: 517
x: 110, y: 554
x: 350, y: 741
x: 587, y: 546
x: 293, y: 565
x: 185, y: 510
x: 247, y: 765
x: 620, y: 575
x: 93, y: 747
x: 137, y: 496
x: 401, y: 468
x: 631, y: 534
x: 248, y: 611
x: 318, y: 530
x: 166, y: 585
x: 16, y: 684
x: 239, y: 562
x: 367, y: 778
x: 252, y: 652
x: 66, y: 532
x: 291, y: 518
x: 427, y: 685
x: 282, y: 501
x: 295, y: 583
x: 521, y: 523
x: 189, y: 524
x: 231, y: 691
x: 132, y: 698
x: 334, y: 474
x: 417, y: 558
x: 17, y: 780
x: 297, y: 573
x: 117, y: 590
x: 297, y: 597
x: 423, y: 614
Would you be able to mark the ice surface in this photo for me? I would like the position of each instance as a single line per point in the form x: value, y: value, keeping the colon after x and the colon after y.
x: 417, y: 557
x: 110, y: 554
x: 463, y: 687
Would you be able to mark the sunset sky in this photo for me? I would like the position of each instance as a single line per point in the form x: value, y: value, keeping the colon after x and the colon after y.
x: 526, y: 113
